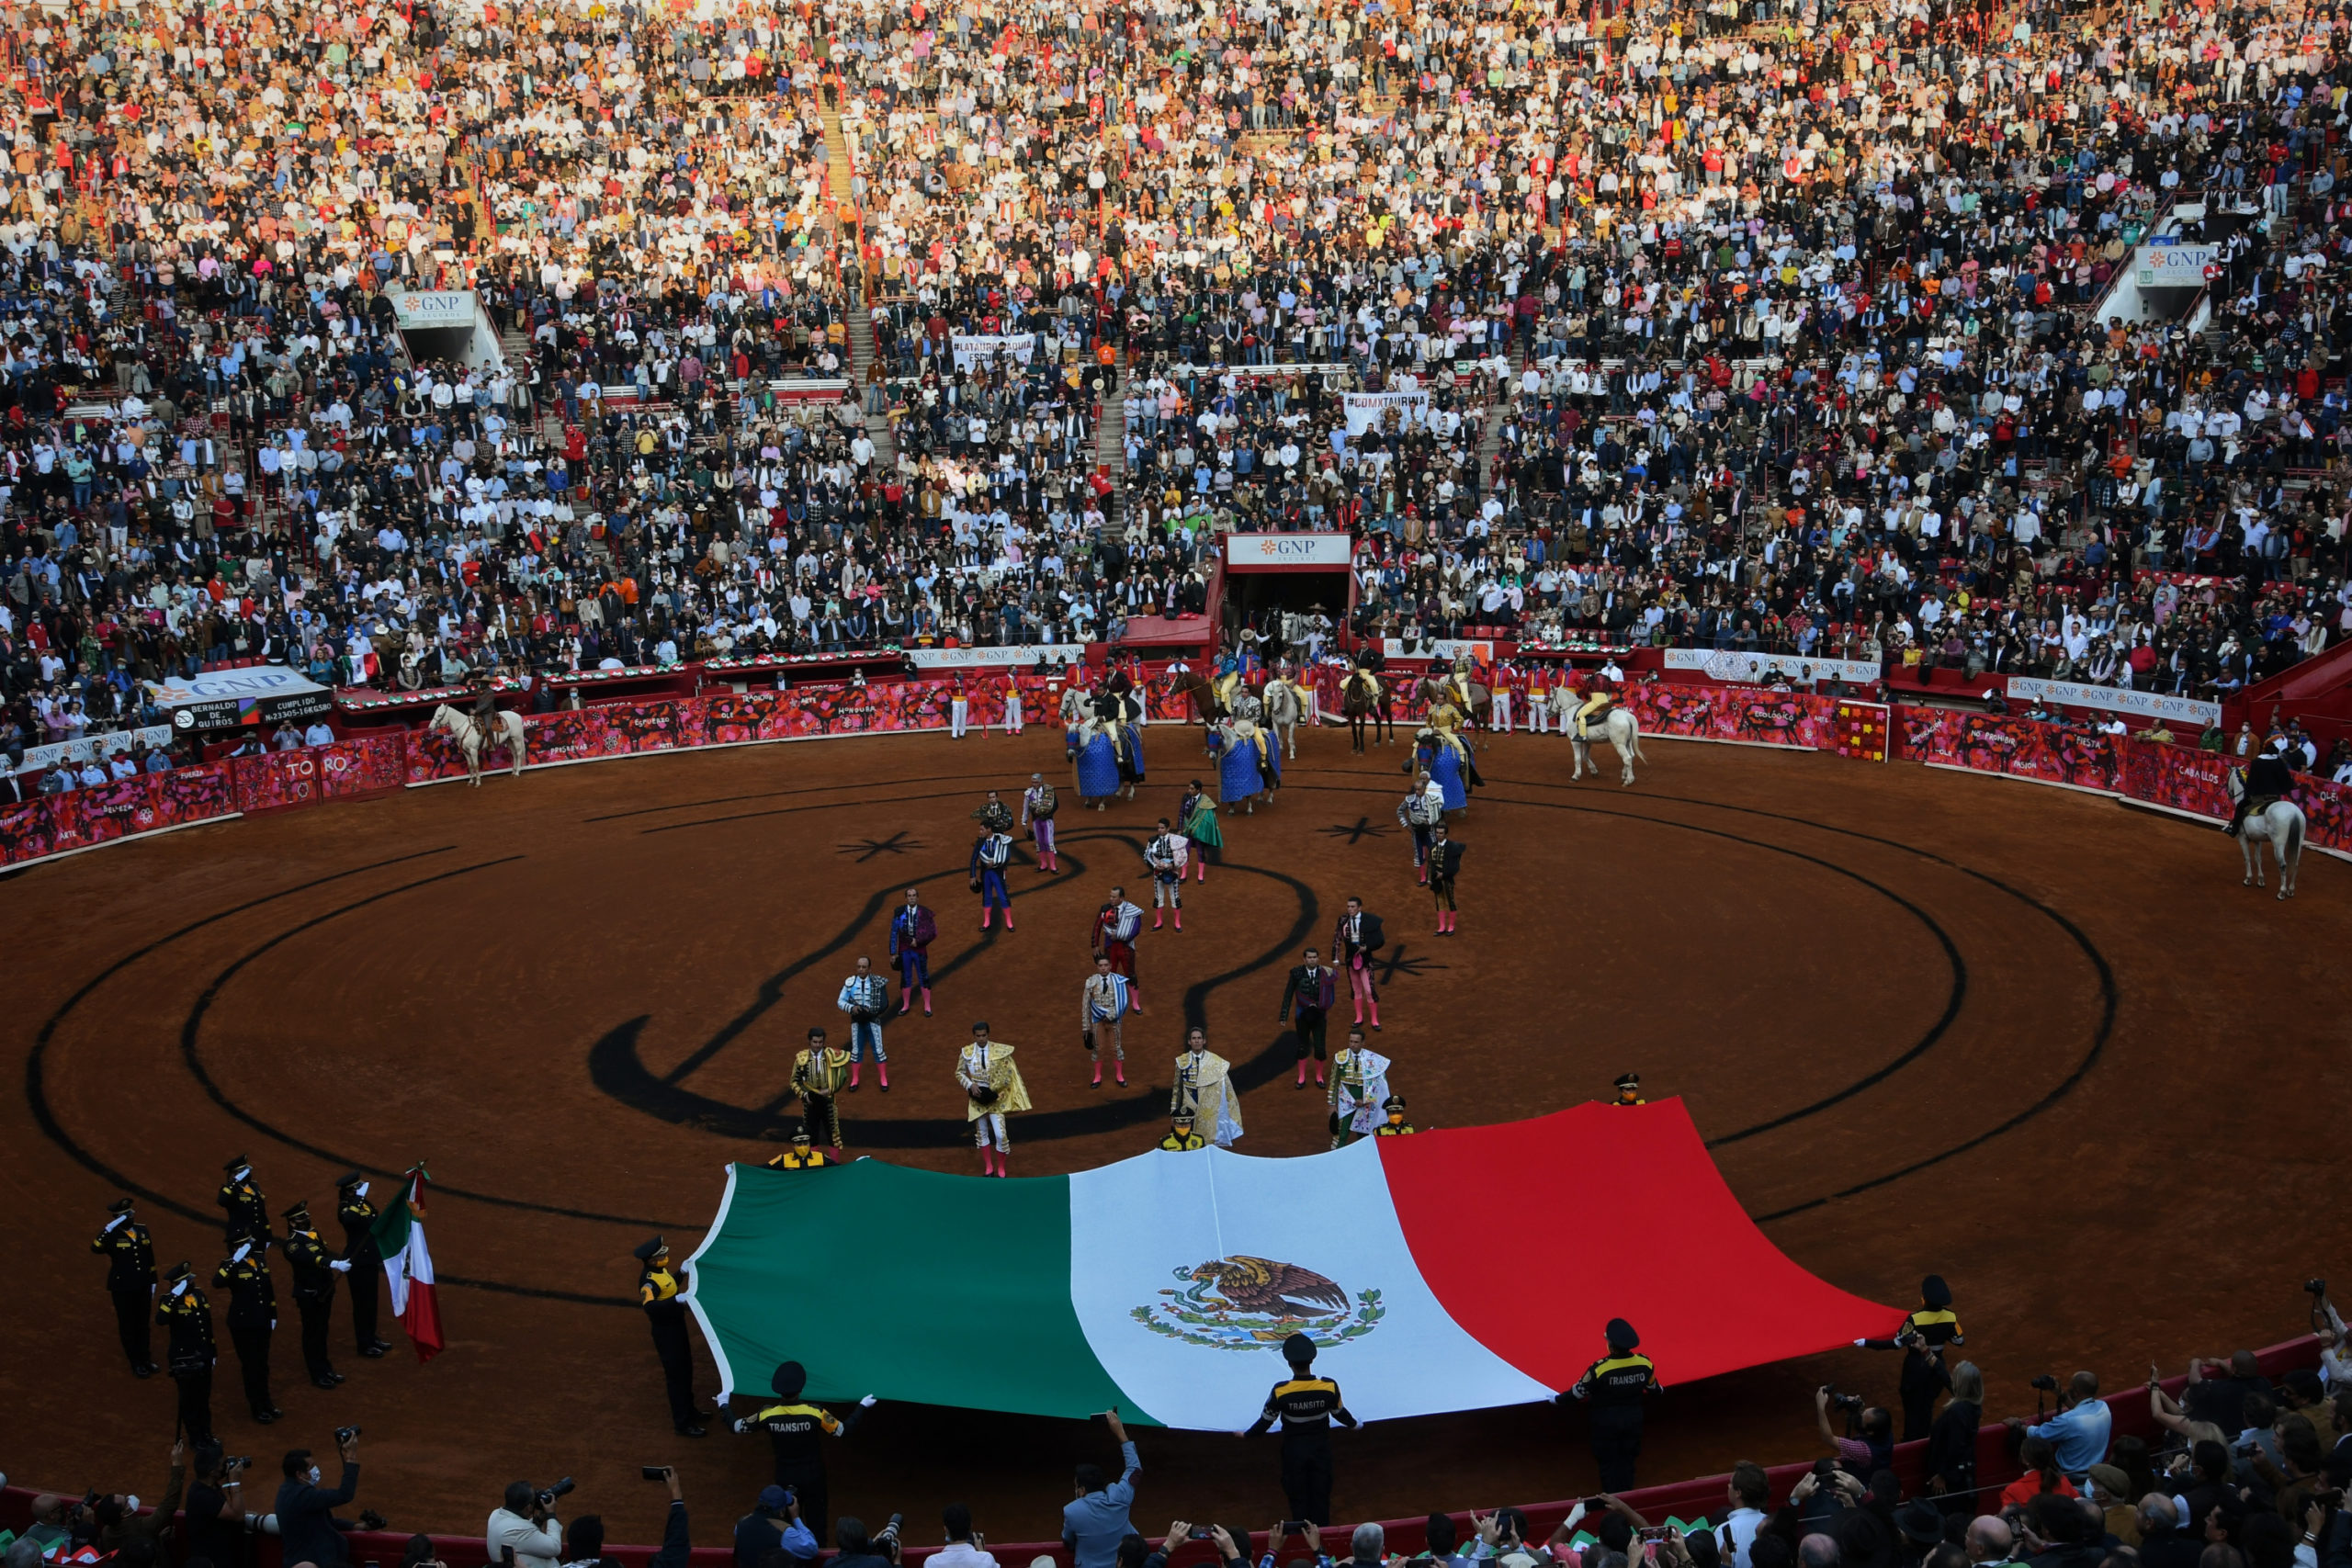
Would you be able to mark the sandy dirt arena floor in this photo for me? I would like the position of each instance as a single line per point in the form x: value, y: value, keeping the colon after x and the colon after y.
x: 2028, y: 1039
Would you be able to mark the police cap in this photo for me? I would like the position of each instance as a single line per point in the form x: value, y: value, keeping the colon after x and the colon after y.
x: 1298, y: 1350
x: 790, y: 1378
x: 648, y: 1250
x: 1621, y: 1336
x: 1934, y: 1293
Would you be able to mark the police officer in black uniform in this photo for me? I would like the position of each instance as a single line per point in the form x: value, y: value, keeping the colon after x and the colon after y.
x: 358, y: 1217
x: 248, y: 1212
x: 188, y: 1352
x: 1922, y: 1339
x: 314, y: 1268
x: 253, y: 1318
x: 2267, y: 778
x: 657, y: 1290
x: 796, y: 1432
x: 1307, y: 1405
x: 129, y: 1253
x: 1614, y: 1387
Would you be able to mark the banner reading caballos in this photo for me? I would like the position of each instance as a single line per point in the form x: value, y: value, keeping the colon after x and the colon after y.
x: 126, y: 808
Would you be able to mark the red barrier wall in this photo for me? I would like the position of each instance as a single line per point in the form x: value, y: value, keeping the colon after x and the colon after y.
x: 2179, y: 778
x: 2176, y: 778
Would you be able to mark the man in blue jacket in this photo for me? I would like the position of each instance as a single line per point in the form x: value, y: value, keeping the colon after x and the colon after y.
x: 1096, y: 1521
x: 306, y: 1523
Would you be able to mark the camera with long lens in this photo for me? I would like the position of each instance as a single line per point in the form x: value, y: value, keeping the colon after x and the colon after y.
x: 344, y: 1434
x: 2047, y: 1382
x: 1851, y: 1404
x: 546, y: 1497
x: 890, y: 1531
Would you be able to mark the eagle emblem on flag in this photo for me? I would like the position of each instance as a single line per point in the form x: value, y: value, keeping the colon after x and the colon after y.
x: 1243, y: 1303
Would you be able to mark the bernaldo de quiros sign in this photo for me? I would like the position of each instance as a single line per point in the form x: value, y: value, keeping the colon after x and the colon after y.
x: 1288, y: 552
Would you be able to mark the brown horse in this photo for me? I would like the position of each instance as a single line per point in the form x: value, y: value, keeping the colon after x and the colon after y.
x: 1363, y: 697
x: 1434, y: 687
x: 1196, y: 688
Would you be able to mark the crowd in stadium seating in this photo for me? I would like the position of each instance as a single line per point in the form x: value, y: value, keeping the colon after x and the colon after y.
x: 2239, y: 1470
x: 1742, y: 323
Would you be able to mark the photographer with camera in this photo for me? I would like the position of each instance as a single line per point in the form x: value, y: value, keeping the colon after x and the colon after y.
x: 215, y: 1507
x: 2079, y: 1430
x: 860, y: 1550
x: 965, y: 1548
x: 306, y: 1523
x: 526, y: 1527
x: 773, y: 1525
x: 1868, y: 1446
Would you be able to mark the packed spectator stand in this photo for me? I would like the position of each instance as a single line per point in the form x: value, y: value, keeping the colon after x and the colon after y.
x: 1728, y: 325
x: 2239, y: 1463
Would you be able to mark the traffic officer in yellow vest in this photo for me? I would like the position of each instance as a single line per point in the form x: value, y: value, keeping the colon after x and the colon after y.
x: 1614, y: 1387
x: 796, y: 1432
x: 1307, y: 1405
x: 129, y: 1253
x: 188, y: 1351
x: 247, y: 1210
x: 803, y: 1155
x: 1181, y: 1137
x: 657, y: 1292
x: 314, y: 1268
x: 1922, y: 1339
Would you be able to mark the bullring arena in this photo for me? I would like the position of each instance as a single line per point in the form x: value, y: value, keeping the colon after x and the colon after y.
x: 1925, y: 1020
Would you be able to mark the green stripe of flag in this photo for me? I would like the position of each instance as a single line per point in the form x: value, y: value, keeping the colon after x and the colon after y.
x: 863, y: 1272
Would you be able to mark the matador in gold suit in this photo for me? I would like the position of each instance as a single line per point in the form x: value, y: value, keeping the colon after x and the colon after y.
x: 818, y: 1074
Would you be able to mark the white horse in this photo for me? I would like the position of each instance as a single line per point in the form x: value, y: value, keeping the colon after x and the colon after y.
x: 1286, y: 709
x: 470, y: 740
x: 1618, y: 727
x: 2279, y: 825
x: 1074, y: 705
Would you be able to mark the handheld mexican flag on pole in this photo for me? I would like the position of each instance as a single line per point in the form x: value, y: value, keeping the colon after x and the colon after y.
x: 408, y: 1267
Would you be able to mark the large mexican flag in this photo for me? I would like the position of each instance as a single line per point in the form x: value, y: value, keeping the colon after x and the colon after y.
x: 408, y: 1266
x: 1447, y: 1270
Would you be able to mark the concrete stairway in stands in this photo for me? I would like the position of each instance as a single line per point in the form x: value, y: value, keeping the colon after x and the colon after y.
x: 859, y: 325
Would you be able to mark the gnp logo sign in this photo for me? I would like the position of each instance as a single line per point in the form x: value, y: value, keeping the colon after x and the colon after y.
x: 1287, y: 552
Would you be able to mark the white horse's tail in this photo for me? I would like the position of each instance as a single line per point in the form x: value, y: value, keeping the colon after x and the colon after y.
x: 2290, y: 843
x: 1634, y: 727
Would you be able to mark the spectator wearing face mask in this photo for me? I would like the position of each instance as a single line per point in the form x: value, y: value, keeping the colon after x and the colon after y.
x: 307, y: 1526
